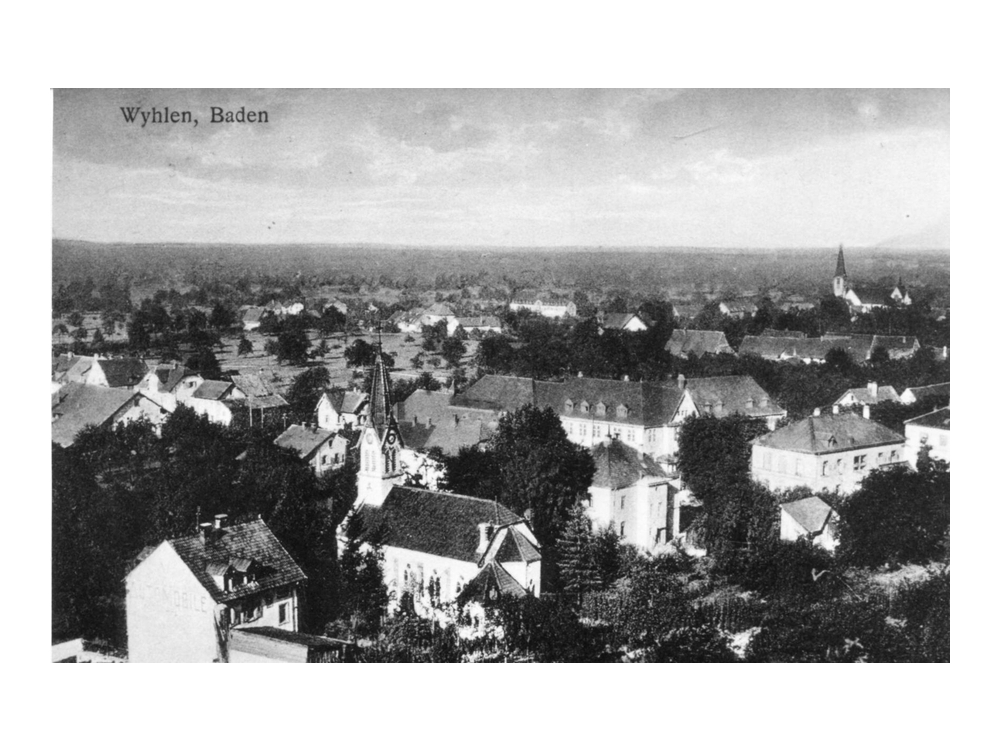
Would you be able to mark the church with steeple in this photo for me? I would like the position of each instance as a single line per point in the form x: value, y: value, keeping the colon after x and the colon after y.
x: 866, y: 298
x: 381, y: 442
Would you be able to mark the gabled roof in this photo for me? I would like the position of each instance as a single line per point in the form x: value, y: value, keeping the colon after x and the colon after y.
x: 514, y: 547
x: 928, y: 391
x: 253, y: 314
x: 307, y: 440
x: 618, y: 321
x: 811, y: 513
x: 619, y: 465
x: 498, y: 392
x: 645, y: 403
x: 939, y: 419
x: 436, y: 523
x: 259, y: 394
x: 78, y: 369
x: 450, y: 437
x: 440, y: 309
x: 688, y: 343
x: 122, y: 373
x: 829, y: 433
x: 732, y: 394
x: 252, y: 541
x: 213, y: 390
x: 491, y: 582
x: 864, y: 396
x: 76, y: 406
x: 168, y: 377
x: 873, y: 295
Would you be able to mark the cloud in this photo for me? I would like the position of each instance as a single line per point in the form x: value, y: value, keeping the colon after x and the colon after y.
x: 723, y: 167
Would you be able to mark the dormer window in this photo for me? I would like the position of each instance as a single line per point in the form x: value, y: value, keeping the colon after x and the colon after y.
x: 622, y: 411
x: 749, y: 403
x: 600, y: 409
x: 584, y: 407
x: 568, y: 405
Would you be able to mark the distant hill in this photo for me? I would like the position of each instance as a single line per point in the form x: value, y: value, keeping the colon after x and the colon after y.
x: 936, y: 236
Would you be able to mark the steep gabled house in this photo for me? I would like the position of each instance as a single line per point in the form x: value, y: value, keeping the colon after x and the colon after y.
x: 873, y: 393
x: 185, y: 596
x: 631, y: 322
x: 809, y: 518
x: 76, y: 406
x: 323, y: 450
x: 338, y: 408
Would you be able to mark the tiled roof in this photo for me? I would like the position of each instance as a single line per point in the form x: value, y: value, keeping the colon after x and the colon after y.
x: 306, y: 440
x: 617, y: 321
x: 619, y: 465
x: 789, y: 347
x: 353, y: 402
x: 732, y: 394
x: 213, y: 390
x: 873, y: 295
x: 169, y: 376
x: 250, y: 541
x: 440, y: 309
x: 449, y: 437
x: 688, y: 343
x: 810, y: 513
x: 78, y: 370
x: 940, y: 419
x: 253, y: 314
x: 498, y: 392
x: 784, y: 334
x: 259, y: 394
x: 123, y: 373
x: 437, y: 523
x: 490, y: 581
x: 829, y: 433
x: 864, y: 396
x: 645, y: 403
x: 927, y: 391
x: 76, y: 406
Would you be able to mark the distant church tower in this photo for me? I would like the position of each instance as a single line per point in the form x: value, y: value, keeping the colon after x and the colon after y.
x: 381, y: 441
x: 840, y: 276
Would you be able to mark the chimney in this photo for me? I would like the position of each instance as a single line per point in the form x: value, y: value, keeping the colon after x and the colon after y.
x: 205, y: 530
x: 681, y: 381
x: 486, y: 532
x: 866, y: 411
x: 836, y: 408
x: 220, y: 521
x: 873, y: 389
x: 816, y: 412
x: 579, y: 374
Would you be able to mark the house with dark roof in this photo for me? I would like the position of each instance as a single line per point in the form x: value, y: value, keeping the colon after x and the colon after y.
x: 436, y: 543
x: 338, y: 408
x: 215, y: 399
x: 185, y: 596
x: 170, y: 383
x: 429, y: 419
x: 923, y: 392
x: 825, y: 452
x: 126, y: 373
x: 500, y: 393
x: 323, y: 450
x: 480, y: 324
x: 932, y: 431
x: 812, y: 519
x: 691, y: 343
x: 873, y: 393
x: 631, y: 494
x: 631, y: 322
x: 76, y: 406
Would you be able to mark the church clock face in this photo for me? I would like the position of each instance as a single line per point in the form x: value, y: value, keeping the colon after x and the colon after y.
x: 369, y: 438
x: 391, y: 439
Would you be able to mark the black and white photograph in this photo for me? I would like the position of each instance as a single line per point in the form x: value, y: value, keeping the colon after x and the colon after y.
x: 577, y: 375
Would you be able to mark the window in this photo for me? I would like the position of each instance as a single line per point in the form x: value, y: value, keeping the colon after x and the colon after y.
x: 860, y: 462
x: 322, y: 460
x: 894, y: 456
x: 840, y: 466
x: 621, y: 530
x: 826, y: 468
x: 943, y: 440
x: 595, y: 431
x: 282, y: 613
x: 584, y: 407
x: 622, y: 411
x: 923, y: 438
x: 881, y: 457
x: 621, y: 502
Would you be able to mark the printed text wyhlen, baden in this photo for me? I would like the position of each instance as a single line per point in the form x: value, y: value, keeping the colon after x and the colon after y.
x: 167, y: 116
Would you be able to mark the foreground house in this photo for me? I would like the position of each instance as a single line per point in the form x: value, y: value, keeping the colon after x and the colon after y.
x: 919, y: 393
x: 931, y: 430
x: 812, y: 519
x: 828, y: 452
x: 631, y: 494
x: 185, y: 596
x: 76, y: 406
x: 435, y: 543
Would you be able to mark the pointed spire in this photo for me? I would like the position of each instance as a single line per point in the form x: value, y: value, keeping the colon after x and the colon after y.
x: 841, y: 268
x: 380, y: 398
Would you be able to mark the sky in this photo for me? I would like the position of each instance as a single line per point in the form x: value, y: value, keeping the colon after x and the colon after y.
x: 513, y: 167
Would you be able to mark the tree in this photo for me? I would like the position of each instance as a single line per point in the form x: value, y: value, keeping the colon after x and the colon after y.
x: 332, y: 321
x: 363, y: 596
x: 435, y: 335
x: 452, y: 349
x: 206, y: 363
x: 293, y: 347
x: 360, y: 354
x: 305, y: 391
x: 75, y: 319
x: 320, y: 350
x: 578, y: 570
x: 222, y: 317
x: 244, y: 347
x: 97, y: 337
x: 897, y: 516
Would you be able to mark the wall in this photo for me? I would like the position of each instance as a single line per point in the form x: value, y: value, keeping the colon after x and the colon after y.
x: 216, y: 411
x: 169, y: 615
x: 938, y: 440
x: 781, y: 470
x: 646, y: 509
x: 422, y: 566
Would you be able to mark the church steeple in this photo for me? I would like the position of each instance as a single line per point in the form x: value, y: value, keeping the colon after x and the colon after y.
x: 381, y: 442
x: 840, y: 275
